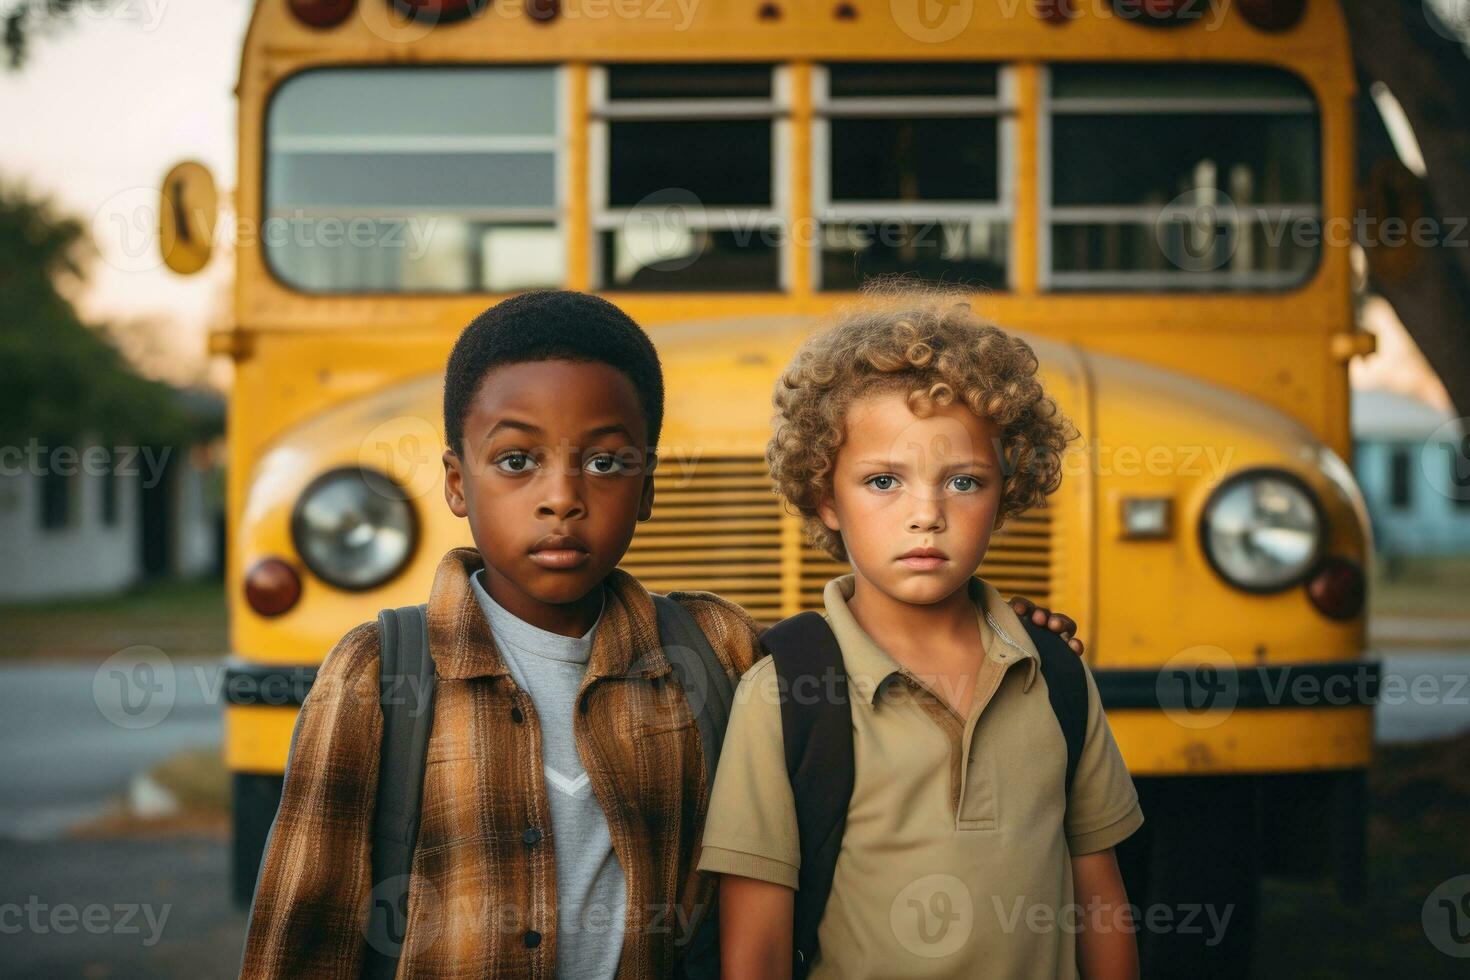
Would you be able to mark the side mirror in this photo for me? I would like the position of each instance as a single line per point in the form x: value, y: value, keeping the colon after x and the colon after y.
x: 186, y: 218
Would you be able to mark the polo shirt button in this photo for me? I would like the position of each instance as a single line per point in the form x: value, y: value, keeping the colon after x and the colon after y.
x: 516, y: 715
x: 531, y: 835
x: 532, y: 939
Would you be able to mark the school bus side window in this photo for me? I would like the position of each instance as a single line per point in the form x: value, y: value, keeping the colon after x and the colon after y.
x: 415, y: 180
x: 1170, y: 177
x: 686, y: 193
x: 912, y: 172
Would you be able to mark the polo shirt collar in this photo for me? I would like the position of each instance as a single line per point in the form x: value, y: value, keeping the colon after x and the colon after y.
x: 869, y: 666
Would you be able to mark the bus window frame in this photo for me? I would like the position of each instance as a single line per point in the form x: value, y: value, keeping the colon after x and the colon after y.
x: 1004, y: 107
x: 1176, y: 284
x: 561, y: 174
x: 602, y: 110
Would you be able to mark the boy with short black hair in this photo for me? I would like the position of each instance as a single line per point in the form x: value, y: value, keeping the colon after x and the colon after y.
x: 906, y: 783
x: 563, y: 783
x: 564, y: 778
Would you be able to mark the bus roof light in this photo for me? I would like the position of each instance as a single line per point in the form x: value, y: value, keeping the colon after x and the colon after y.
x: 1273, y: 15
x: 1055, y: 11
x: 544, y: 11
x: 322, y: 14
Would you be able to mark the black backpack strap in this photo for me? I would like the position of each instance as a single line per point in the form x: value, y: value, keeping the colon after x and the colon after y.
x: 710, y: 692
x: 1066, y: 687
x: 406, y: 674
x: 816, y: 729
x: 702, y: 675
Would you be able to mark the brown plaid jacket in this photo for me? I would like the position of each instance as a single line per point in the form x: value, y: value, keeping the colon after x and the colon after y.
x: 482, y: 900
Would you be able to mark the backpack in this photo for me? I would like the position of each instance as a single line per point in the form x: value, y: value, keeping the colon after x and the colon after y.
x: 817, y: 735
x: 406, y: 675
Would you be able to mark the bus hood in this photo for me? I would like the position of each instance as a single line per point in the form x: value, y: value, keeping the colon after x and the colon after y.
x: 719, y: 376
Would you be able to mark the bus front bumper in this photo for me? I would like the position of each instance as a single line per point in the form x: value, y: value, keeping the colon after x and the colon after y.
x: 1269, y: 718
x: 1263, y: 719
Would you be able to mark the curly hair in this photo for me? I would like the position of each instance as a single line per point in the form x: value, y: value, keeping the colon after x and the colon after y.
x: 930, y: 345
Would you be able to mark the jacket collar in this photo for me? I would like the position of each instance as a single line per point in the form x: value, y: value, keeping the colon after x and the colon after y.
x: 869, y: 666
x: 626, y: 643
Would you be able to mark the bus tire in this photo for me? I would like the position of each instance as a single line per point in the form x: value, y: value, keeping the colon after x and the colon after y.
x: 1194, y: 862
x: 254, y: 806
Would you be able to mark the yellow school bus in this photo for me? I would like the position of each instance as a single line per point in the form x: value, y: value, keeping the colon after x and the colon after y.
x: 1152, y: 192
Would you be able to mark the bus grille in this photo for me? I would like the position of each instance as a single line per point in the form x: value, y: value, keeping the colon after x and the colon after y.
x: 717, y: 526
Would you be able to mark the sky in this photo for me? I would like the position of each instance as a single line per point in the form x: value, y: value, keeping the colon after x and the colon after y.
x: 109, y: 101
x: 103, y: 106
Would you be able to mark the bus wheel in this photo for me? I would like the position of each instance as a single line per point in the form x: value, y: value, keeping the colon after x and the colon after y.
x: 1193, y: 873
x: 255, y: 801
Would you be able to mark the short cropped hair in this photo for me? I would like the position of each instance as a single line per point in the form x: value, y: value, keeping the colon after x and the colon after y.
x: 928, y: 344
x: 549, y: 325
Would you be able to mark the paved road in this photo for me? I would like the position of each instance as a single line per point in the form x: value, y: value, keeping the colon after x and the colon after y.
x: 125, y: 908
x: 1424, y: 694
x: 62, y: 759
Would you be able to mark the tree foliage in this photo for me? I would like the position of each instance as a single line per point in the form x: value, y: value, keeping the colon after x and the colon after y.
x: 24, y: 20
x: 59, y: 378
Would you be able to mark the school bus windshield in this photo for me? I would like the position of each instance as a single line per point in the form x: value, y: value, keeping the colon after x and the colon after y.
x: 451, y: 179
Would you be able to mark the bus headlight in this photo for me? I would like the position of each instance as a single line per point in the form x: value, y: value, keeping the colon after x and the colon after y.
x: 1262, y: 530
x: 354, y: 528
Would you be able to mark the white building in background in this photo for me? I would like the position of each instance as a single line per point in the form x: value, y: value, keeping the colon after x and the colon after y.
x: 90, y: 520
x: 1413, y: 462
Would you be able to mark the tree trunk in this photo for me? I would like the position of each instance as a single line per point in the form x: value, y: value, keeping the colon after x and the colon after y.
x: 1428, y: 285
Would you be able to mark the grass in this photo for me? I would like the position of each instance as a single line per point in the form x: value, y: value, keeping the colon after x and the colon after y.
x: 182, y: 618
x: 1434, y: 587
x: 198, y: 780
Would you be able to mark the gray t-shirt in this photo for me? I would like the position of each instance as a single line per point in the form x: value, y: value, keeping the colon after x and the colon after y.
x: 591, y: 892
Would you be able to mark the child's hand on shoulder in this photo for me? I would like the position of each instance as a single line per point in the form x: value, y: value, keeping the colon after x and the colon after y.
x: 1064, y: 626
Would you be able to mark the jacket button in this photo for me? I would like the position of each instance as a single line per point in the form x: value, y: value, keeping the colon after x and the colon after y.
x: 532, y: 939
x: 531, y: 835
x: 516, y: 715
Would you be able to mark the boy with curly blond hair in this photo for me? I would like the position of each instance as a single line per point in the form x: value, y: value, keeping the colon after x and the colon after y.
x: 962, y: 822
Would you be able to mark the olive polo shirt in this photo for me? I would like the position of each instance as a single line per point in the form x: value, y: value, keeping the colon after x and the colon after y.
x: 956, y: 856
